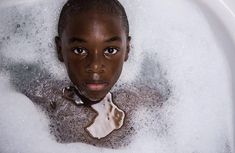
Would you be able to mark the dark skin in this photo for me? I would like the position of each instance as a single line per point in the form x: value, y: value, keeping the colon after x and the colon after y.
x: 93, y: 47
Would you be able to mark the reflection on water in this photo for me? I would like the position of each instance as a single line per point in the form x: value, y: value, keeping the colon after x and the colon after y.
x: 109, y: 117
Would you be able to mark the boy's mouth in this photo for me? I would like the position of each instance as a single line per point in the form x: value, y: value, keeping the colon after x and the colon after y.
x: 96, y: 86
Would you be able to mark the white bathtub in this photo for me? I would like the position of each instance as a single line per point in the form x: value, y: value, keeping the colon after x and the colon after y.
x: 167, y: 38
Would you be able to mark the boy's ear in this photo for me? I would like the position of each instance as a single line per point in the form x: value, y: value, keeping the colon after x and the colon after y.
x: 128, y: 48
x: 58, y: 48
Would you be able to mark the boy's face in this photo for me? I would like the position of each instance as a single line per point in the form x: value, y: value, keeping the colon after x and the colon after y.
x: 93, y: 47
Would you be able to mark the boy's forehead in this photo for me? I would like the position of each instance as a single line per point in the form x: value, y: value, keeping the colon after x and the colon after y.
x: 93, y: 15
x: 81, y: 7
x: 93, y: 21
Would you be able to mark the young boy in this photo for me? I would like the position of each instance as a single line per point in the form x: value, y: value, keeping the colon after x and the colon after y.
x: 93, y: 43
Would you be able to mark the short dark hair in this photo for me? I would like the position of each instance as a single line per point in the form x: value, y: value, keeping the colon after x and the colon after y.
x: 113, y: 7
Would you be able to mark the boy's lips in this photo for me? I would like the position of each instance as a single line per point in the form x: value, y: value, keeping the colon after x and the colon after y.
x: 96, y: 86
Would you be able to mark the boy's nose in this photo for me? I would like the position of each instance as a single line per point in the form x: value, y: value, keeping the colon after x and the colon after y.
x: 95, y: 64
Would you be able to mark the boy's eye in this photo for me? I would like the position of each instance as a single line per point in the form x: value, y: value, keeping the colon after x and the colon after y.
x: 110, y: 51
x: 80, y: 51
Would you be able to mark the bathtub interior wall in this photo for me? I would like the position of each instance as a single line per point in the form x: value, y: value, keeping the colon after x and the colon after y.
x: 221, y: 15
x: 175, y: 45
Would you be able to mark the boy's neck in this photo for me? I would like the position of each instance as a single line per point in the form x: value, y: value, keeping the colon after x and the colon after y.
x: 85, y: 100
x: 71, y: 93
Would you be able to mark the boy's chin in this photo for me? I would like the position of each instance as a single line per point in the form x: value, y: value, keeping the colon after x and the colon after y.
x: 91, y: 97
x: 94, y: 97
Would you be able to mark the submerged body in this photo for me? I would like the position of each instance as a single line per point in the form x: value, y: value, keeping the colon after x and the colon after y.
x: 69, y: 122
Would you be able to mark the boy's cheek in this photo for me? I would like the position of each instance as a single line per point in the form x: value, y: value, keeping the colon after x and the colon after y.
x: 75, y: 69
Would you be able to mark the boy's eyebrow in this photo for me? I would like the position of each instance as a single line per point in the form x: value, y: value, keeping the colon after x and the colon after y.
x: 76, y: 39
x: 115, y: 38
x: 80, y: 40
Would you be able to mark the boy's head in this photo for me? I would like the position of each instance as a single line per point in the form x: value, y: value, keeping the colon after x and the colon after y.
x: 93, y: 43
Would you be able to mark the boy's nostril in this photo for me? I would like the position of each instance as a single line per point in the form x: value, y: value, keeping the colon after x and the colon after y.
x: 95, y: 68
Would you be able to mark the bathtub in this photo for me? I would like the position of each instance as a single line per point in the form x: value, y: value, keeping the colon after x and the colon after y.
x: 182, y: 45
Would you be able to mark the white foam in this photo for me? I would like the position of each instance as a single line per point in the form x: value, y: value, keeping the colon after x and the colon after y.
x: 174, y: 33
